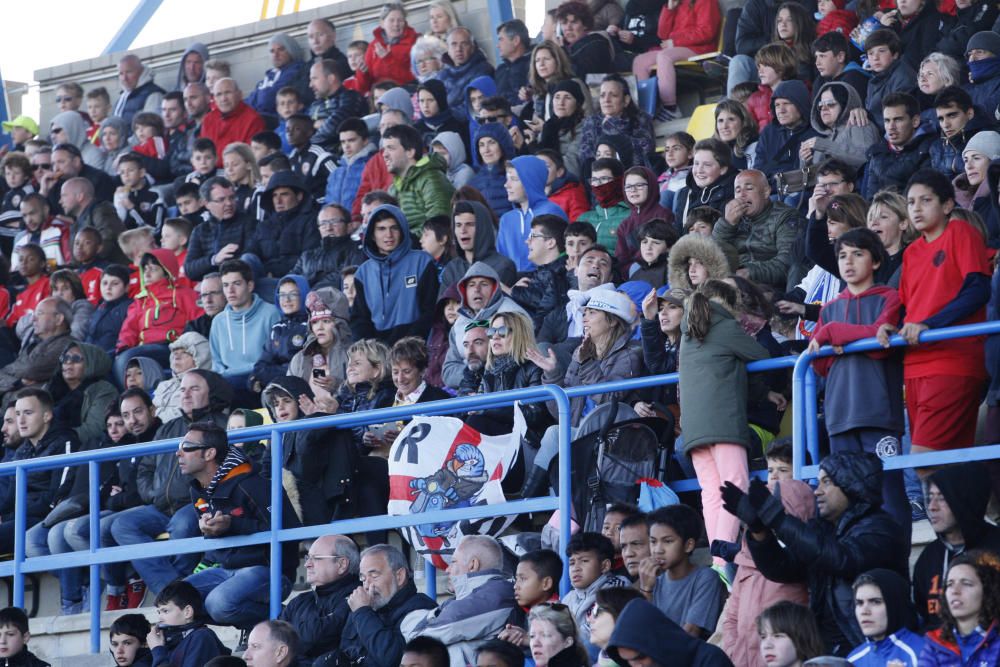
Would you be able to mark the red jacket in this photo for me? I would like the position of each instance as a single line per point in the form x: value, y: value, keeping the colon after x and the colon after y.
x: 160, y: 311
x: 91, y: 279
x: 237, y: 126
x: 396, y: 66
x: 375, y: 176
x: 759, y: 106
x: 694, y: 25
x: 572, y: 199
x: 29, y: 297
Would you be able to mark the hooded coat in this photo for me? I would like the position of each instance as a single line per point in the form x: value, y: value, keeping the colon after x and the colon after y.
x: 705, y: 251
x: 490, y: 179
x: 446, y: 120
x: 335, y: 359
x: 280, y: 238
x: 515, y: 224
x: 830, y: 556
x: 424, y: 191
x: 646, y: 630
x: 488, y: 87
x: 264, y: 96
x: 845, y: 142
x: 321, y: 462
x: 716, y: 195
x: 484, y: 250
x: 966, y: 489
x: 459, y: 172
x: 75, y: 126
x: 627, y: 248
x: 456, y: 77
x: 778, y: 146
x: 286, y: 338
x: 160, y: 311
x: 902, y: 643
x: 454, y: 364
x: 167, y: 397
x: 238, y: 339
x: 109, y: 158
x: 394, y: 67
x: 395, y: 292
x: 83, y: 408
x: 752, y: 592
x: 437, y: 340
x: 200, y: 49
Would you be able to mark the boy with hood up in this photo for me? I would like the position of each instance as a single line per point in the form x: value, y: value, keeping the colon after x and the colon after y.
x: 317, y: 465
x: 956, y: 504
x: 529, y: 201
x: 475, y: 241
x: 894, y: 641
x: 449, y: 145
x: 644, y: 630
x: 778, y: 147
x: 287, y: 336
x: 397, y: 286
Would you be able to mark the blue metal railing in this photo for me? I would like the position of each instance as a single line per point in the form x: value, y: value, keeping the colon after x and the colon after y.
x: 805, y: 436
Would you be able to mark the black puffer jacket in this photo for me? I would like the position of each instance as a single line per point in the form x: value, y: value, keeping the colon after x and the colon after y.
x: 213, y: 235
x: 319, y: 615
x: 830, y: 557
x: 888, y: 169
x: 922, y: 33
x: 507, y: 374
x: 547, y: 290
x: 281, y: 238
x: 321, y: 264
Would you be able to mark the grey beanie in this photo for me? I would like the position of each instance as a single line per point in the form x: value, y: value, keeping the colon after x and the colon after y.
x: 986, y: 143
x: 987, y: 40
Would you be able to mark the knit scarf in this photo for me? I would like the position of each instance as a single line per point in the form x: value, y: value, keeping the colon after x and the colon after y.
x: 235, y: 457
x: 609, y: 194
x: 981, y: 70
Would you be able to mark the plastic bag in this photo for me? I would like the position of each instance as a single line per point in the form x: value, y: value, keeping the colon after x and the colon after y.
x: 654, y: 494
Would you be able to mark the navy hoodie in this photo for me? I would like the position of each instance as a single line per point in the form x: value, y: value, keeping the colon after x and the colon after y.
x: 645, y: 629
x: 778, y: 147
x: 396, y: 293
x: 106, y: 322
x: 490, y: 179
x: 287, y: 336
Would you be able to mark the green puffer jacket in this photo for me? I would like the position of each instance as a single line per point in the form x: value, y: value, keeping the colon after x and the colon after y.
x: 606, y: 222
x: 424, y: 191
x: 764, y: 242
x: 714, y: 386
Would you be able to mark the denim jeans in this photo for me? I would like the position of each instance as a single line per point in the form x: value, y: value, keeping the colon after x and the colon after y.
x: 42, y: 541
x: 236, y: 597
x: 741, y: 68
x: 78, y: 536
x: 142, y: 524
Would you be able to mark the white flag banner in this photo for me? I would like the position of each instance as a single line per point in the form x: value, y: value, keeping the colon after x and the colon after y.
x: 439, y: 463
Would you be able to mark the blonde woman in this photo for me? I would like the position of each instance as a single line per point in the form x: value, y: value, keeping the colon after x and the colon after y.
x: 241, y: 169
x: 441, y: 18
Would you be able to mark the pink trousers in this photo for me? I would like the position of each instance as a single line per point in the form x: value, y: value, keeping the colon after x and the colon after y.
x: 714, y: 465
x: 666, y: 75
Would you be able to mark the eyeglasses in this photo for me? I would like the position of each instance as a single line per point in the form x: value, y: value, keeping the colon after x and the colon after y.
x: 223, y: 200
x: 601, y: 180
x: 535, y: 235
x: 491, y: 119
x: 217, y: 292
x: 498, y: 331
x: 477, y: 324
x: 36, y: 167
x: 311, y: 558
x: 71, y: 359
x: 331, y: 223
x: 189, y: 446
x: 636, y: 186
x: 829, y: 184
x: 828, y: 105
x: 288, y: 296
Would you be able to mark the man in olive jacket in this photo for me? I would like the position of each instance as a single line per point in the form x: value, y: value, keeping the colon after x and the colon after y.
x: 419, y: 181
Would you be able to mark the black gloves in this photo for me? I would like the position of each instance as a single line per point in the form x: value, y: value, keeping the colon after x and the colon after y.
x: 738, y: 504
x: 767, y: 507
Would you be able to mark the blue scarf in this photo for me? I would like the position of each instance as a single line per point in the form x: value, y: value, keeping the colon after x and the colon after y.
x: 981, y: 70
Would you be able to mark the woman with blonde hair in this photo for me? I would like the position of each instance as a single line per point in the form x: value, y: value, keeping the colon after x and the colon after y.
x: 441, y: 17
x: 242, y: 171
x: 553, y: 637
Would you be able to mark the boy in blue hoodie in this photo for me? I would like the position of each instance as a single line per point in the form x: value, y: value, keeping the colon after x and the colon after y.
x: 287, y: 336
x: 241, y: 331
x: 180, y: 639
x: 524, y: 184
x: 864, y: 395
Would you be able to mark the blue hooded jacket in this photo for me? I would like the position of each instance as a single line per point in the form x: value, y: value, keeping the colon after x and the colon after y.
x: 778, y: 146
x: 396, y: 293
x: 287, y: 336
x: 490, y: 179
x: 237, y: 340
x: 515, y: 225
x: 902, y: 644
x: 488, y: 87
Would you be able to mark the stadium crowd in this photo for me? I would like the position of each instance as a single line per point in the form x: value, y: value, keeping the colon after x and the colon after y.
x: 407, y: 222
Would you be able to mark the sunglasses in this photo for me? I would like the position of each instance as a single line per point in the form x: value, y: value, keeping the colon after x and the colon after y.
x: 189, y: 446
x: 498, y: 331
x: 595, y: 611
x: 36, y: 167
x: 554, y: 606
x: 71, y: 359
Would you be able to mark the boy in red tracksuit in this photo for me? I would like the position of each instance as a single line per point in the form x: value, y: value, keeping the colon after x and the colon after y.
x: 32, y: 269
x: 161, y: 310
x: 945, y: 282
x: 864, y: 392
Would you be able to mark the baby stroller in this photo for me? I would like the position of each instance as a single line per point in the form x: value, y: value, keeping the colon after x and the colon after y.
x: 614, y: 448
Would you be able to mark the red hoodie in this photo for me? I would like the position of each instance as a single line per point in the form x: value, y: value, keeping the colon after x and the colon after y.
x: 694, y: 25
x: 161, y: 310
x: 239, y: 125
x: 396, y: 66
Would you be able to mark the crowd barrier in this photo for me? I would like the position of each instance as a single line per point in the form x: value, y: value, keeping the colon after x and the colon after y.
x: 805, y: 438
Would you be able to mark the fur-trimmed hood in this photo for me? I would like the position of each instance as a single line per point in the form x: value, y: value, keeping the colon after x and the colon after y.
x: 704, y: 250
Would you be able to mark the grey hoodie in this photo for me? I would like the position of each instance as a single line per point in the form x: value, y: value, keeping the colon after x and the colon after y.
x: 76, y: 133
x: 845, y: 142
x: 167, y: 398
x: 484, y: 250
x: 200, y: 49
x: 454, y: 362
x: 459, y: 172
x: 108, y: 158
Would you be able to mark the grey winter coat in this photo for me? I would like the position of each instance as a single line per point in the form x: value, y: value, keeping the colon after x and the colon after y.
x: 714, y: 384
x: 845, y: 142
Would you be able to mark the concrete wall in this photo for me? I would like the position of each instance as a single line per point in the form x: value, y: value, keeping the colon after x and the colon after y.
x: 245, y: 46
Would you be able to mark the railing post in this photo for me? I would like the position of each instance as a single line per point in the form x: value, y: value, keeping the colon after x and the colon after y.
x: 430, y: 575
x: 277, y: 521
x: 812, y: 420
x: 565, y: 488
x: 94, y: 594
x: 20, y: 526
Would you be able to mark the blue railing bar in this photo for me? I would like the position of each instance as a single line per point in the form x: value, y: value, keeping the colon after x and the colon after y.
x: 94, y: 592
x: 277, y: 521
x: 20, y: 526
x: 430, y: 580
x: 812, y: 423
x: 345, y: 527
x: 803, y: 399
